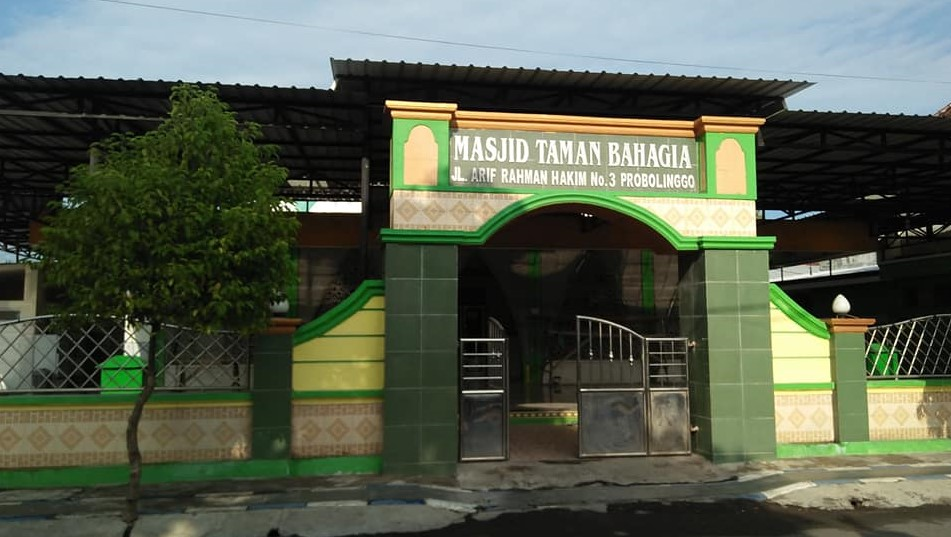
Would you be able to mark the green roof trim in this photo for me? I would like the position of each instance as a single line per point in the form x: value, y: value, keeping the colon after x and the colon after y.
x: 612, y: 203
x: 794, y: 311
x: 339, y: 313
x: 872, y: 447
x: 736, y: 243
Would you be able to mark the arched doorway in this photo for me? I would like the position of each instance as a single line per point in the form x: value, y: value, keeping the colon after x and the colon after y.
x: 535, y: 275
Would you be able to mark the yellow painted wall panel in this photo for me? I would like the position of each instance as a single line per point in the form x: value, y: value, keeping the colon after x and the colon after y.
x: 780, y: 322
x: 801, y: 370
x: 799, y: 346
x: 375, y: 303
x: 361, y: 323
x: 317, y: 376
x: 341, y: 348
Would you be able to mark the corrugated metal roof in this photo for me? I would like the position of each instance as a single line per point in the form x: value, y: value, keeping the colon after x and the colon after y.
x: 862, y: 121
x: 807, y: 160
x: 48, y: 123
x: 879, y: 168
x: 347, y: 70
x: 158, y: 88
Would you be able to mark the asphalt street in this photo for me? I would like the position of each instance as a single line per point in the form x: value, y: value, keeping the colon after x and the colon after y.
x: 860, y: 495
x: 725, y: 518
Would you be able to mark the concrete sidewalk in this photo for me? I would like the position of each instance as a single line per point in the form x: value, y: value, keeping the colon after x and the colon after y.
x: 343, y: 505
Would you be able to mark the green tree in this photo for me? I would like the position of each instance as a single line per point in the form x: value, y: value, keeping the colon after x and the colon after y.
x: 180, y: 225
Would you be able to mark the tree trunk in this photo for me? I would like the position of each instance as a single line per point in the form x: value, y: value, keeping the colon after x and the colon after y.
x: 132, y: 434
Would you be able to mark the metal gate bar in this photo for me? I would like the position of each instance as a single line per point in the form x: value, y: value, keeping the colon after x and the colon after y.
x: 483, y: 399
x: 668, y: 396
x: 632, y: 391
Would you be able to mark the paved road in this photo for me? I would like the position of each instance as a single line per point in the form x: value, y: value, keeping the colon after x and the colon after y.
x: 734, y: 518
x: 771, y: 498
x: 723, y: 518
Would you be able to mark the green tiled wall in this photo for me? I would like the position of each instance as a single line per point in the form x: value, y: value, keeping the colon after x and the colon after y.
x: 724, y: 307
x: 420, y: 395
x: 271, y: 396
x: 850, y: 396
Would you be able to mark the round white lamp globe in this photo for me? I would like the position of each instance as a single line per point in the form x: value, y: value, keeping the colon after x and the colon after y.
x: 840, y: 305
x: 280, y: 308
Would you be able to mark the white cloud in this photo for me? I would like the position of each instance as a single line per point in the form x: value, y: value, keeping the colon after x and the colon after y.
x: 882, y: 38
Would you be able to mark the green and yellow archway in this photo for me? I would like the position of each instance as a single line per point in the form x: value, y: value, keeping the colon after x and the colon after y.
x: 692, y: 182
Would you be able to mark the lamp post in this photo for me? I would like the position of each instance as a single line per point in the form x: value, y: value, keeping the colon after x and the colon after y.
x: 847, y: 358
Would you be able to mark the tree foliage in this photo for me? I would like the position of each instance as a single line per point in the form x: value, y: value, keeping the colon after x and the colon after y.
x: 179, y: 225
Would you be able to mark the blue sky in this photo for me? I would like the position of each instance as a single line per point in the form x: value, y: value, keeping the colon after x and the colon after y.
x: 865, y: 55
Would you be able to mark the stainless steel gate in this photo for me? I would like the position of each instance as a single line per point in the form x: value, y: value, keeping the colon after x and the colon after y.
x: 483, y: 400
x: 632, y: 392
x: 668, y: 396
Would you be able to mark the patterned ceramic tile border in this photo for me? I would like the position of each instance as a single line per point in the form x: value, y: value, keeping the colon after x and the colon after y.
x: 321, y: 429
x: 468, y: 211
x: 703, y: 217
x: 912, y: 413
x: 446, y: 211
x: 804, y: 417
x: 76, y: 437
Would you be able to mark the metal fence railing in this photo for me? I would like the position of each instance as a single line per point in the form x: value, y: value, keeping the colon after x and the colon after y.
x: 916, y: 348
x: 40, y: 354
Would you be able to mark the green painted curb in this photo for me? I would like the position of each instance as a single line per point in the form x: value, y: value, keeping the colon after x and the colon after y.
x: 191, y: 471
x: 874, y: 447
x: 907, y: 383
x: 803, y: 318
x: 339, y: 313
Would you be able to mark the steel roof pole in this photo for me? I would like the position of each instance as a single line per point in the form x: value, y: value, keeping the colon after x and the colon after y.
x: 364, y: 216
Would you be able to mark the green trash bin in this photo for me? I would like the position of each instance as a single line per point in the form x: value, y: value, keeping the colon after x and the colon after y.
x: 882, y: 361
x: 121, y: 374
